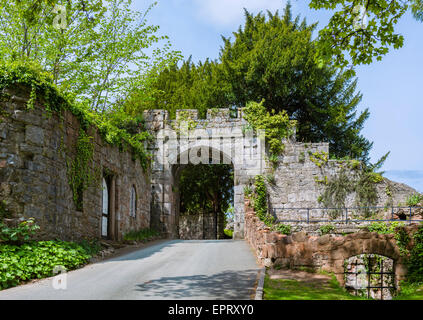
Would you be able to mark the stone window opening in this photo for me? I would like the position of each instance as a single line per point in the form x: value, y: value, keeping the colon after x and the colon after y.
x: 133, y: 203
x: 370, y: 275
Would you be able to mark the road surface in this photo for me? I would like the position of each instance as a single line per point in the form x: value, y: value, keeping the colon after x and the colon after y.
x: 208, y: 269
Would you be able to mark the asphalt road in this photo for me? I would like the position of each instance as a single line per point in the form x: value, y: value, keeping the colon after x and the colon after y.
x: 209, y: 270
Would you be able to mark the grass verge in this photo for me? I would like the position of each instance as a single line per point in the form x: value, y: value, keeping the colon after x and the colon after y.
x: 287, y: 289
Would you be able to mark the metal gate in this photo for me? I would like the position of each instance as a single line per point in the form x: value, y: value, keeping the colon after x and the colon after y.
x: 370, y: 275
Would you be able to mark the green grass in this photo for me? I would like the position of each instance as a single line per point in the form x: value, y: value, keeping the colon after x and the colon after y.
x: 141, y: 235
x: 413, y: 291
x: 284, y: 289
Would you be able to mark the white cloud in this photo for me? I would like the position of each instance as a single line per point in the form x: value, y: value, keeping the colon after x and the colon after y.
x: 225, y: 13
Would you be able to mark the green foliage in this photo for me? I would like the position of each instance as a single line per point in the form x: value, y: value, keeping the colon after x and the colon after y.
x: 271, y: 59
x: 141, y: 235
x: 115, y: 127
x: 80, y: 172
x: 414, y: 199
x: 326, y: 229
x: 276, y: 125
x: 99, y: 56
x: 229, y: 233
x: 206, y: 188
x: 383, y: 228
x: 349, y: 39
x: 23, y: 232
x: 283, y: 228
x: 362, y: 182
x: 415, y: 260
x: 319, y: 158
x: 260, y: 201
x: 410, y: 291
x: 36, y: 260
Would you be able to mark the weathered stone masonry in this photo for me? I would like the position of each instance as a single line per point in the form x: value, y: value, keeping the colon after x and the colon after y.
x: 326, y: 253
x: 34, y: 148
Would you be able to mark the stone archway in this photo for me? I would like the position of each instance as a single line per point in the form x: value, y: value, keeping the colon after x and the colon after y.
x: 203, y: 225
x: 220, y: 138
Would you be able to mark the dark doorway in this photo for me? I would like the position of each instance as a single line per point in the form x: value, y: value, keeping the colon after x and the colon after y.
x: 206, y: 193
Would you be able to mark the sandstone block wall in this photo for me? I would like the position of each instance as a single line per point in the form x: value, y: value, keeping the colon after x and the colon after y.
x: 34, y: 150
x: 326, y: 253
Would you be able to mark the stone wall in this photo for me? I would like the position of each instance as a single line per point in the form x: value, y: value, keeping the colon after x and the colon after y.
x: 171, y: 148
x: 326, y: 253
x: 298, y: 183
x: 200, y: 226
x: 35, y: 149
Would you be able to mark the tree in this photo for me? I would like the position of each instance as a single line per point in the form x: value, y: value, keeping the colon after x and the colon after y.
x: 362, y: 30
x: 96, y: 52
x: 206, y: 188
x: 272, y: 59
x: 189, y: 86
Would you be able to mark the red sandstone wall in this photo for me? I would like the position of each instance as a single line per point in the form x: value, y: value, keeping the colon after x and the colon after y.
x: 326, y: 253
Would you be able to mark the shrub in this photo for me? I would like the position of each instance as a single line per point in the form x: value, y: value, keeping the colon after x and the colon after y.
x: 326, y: 229
x: 23, y: 232
x: 414, y: 200
x: 228, y: 233
x: 383, y: 228
x: 36, y: 260
x: 283, y: 228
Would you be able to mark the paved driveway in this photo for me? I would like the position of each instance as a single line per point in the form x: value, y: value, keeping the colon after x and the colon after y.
x: 209, y: 269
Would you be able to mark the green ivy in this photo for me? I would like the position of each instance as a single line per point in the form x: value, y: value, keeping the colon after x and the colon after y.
x: 44, y: 92
x: 277, y: 126
x: 319, y: 158
x: 80, y: 171
x: 415, y: 260
x: 259, y: 198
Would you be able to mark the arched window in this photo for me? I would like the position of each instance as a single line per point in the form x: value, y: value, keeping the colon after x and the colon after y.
x: 133, y: 204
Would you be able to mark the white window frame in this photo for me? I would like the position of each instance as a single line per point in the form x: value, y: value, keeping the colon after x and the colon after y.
x: 133, y: 203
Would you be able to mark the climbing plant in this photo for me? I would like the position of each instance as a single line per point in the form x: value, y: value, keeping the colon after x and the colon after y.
x: 259, y: 199
x: 361, y: 180
x: 80, y: 171
x: 116, y: 127
x: 277, y: 126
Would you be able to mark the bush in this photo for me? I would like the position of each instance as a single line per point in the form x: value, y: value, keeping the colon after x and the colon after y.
x: 23, y: 232
x: 383, y: 228
x: 228, y: 233
x: 414, y: 200
x: 283, y: 228
x: 36, y: 260
x: 326, y: 229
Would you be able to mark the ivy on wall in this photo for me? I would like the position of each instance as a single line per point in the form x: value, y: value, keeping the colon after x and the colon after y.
x: 258, y: 196
x: 114, y: 127
x: 277, y: 126
x: 80, y: 172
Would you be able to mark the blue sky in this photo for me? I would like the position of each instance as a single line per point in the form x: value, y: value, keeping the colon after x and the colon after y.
x: 392, y: 89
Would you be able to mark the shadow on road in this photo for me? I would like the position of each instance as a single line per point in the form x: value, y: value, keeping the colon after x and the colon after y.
x: 226, y: 285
